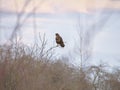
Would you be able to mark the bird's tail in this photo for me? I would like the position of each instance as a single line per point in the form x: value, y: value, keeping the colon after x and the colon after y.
x: 62, y: 45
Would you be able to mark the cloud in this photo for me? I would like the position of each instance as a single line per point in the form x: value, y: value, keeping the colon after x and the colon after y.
x: 114, y: 0
x: 58, y: 6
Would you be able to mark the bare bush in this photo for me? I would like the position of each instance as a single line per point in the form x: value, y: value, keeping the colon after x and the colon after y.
x: 20, y: 69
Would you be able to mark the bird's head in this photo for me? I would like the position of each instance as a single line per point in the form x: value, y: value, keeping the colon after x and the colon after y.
x: 56, y: 34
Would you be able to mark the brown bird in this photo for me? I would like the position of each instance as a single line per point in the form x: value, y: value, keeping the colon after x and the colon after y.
x: 59, y: 40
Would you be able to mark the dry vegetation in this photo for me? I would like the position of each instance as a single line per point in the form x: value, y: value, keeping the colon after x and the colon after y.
x: 24, y: 68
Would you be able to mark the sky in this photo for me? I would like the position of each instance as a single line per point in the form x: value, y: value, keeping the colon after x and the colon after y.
x: 55, y: 6
x: 63, y: 16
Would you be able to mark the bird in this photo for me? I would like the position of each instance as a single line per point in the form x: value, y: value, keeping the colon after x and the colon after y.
x: 59, y: 40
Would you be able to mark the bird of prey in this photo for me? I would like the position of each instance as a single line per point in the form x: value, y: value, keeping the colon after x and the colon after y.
x: 59, y: 40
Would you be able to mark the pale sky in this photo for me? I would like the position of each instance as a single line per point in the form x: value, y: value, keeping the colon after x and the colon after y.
x: 55, y: 6
x: 62, y: 16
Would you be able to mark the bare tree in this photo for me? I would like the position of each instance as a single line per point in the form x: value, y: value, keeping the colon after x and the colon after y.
x: 86, y: 35
x: 22, y: 16
x: 97, y: 74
